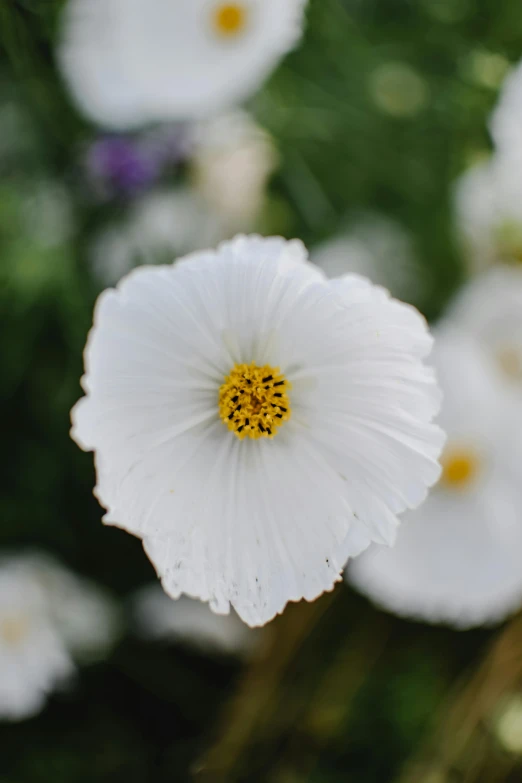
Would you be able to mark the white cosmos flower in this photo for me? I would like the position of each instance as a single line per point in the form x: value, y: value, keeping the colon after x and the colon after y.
x: 255, y: 423
x: 33, y: 657
x: 128, y: 62
x: 231, y: 162
x: 191, y: 622
x: 488, y: 212
x: 490, y: 308
x: 376, y: 247
x: 457, y: 559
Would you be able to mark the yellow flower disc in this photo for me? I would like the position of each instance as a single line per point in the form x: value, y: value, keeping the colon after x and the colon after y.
x: 230, y: 18
x: 253, y: 401
x: 459, y: 468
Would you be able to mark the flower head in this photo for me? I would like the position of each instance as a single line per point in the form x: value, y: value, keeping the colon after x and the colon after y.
x: 33, y: 656
x: 325, y: 377
x: 457, y: 559
x: 488, y: 213
x: 490, y: 308
x: 128, y: 62
x: 47, y: 617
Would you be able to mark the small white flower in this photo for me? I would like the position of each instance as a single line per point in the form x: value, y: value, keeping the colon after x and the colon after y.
x: 161, y: 225
x: 231, y: 162
x: 190, y: 621
x: 490, y: 308
x: 488, y: 211
x: 33, y: 657
x: 255, y: 423
x: 457, y: 559
x: 376, y: 247
x: 128, y: 62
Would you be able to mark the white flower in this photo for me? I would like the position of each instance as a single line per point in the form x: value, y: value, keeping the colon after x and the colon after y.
x: 84, y: 615
x: 457, y: 559
x: 190, y: 621
x: 376, y: 247
x: 490, y: 308
x: 255, y: 423
x: 506, y: 120
x: 488, y: 212
x: 231, y: 163
x: 128, y: 62
x: 33, y: 657
x: 161, y: 225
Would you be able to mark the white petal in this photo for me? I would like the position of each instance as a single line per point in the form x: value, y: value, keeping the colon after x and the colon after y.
x: 455, y: 562
x: 367, y: 402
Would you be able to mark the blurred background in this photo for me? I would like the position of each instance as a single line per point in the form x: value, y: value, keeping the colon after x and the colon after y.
x: 371, y: 141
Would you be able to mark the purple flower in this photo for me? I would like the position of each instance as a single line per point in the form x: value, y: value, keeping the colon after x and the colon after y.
x: 121, y: 166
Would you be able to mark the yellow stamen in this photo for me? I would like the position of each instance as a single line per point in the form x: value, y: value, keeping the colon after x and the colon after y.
x: 253, y: 401
x: 13, y: 629
x: 230, y: 18
x: 459, y: 468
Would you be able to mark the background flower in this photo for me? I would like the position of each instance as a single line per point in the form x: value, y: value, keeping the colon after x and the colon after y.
x: 190, y: 622
x: 126, y: 63
x: 456, y: 559
x: 490, y: 308
x: 377, y: 248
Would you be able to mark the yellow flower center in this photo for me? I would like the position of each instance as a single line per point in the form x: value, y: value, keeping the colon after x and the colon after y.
x: 459, y: 468
x: 13, y: 629
x: 510, y: 362
x: 253, y: 401
x: 230, y: 19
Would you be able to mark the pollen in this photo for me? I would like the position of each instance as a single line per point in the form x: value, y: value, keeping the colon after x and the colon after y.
x: 13, y: 629
x: 230, y: 19
x: 459, y: 468
x: 253, y: 401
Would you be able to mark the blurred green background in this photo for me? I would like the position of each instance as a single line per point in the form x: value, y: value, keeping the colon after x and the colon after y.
x: 382, y: 106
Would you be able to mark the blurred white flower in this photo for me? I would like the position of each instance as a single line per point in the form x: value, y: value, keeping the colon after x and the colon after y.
x: 506, y: 119
x: 255, y: 423
x: 190, y: 621
x: 33, y: 656
x: 376, y: 247
x: 231, y: 163
x: 128, y: 62
x: 85, y: 616
x: 160, y: 226
x: 490, y: 308
x: 488, y: 212
x: 457, y: 559
x: 47, y: 616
